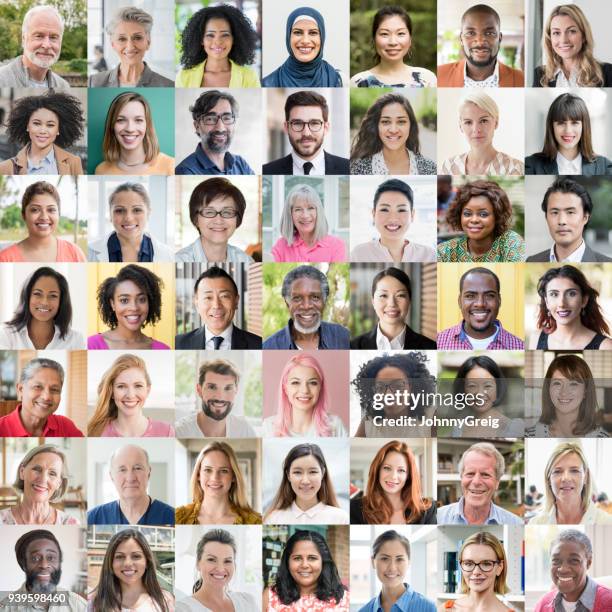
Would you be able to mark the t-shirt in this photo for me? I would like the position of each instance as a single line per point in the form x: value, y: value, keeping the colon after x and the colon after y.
x: 235, y: 427
x: 66, y: 252
x: 155, y: 429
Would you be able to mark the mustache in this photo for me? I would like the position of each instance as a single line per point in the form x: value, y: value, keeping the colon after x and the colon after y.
x: 34, y: 586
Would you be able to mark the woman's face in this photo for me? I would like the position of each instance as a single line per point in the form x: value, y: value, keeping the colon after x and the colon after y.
x: 217, y: 230
x: 305, y: 40
x: 303, y: 387
x: 566, y: 37
x: 391, y: 301
x: 45, y: 299
x: 42, y: 477
x: 41, y: 216
x: 567, y: 135
x: 217, y: 565
x: 481, y: 381
x: 566, y: 394
x: 394, y: 126
x: 564, y: 301
x: 478, y: 218
x: 43, y: 127
x: 130, y: 392
x: 130, y: 42
x: 305, y: 477
x: 304, y: 217
x: 477, y: 580
x: 393, y: 215
x: 216, y: 475
x: 390, y: 380
x: 131, y: 126
x: 129, y: 563
x: 567, y: 478
x: 391, y: 564
x: 131, y: 305
x: 392, y: 40
x: 305, y: 565
x: 217, y: 40
x: 477, y: 125
x: 393, y: 473
x: 129, y: 215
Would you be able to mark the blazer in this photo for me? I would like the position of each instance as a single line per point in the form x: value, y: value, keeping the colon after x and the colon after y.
x: 412, y: 340
x: 451, y: 75
x: 241, y: 339
x: 67, y: 163
x: 539, y: 164
x: 427, y: 518
x: 589, y: 255
x: 284, y: 165
x: 605, y: 68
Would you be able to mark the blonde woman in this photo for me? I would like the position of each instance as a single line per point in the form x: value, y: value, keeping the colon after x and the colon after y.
x: 218, y: 490
x: 567, y: 43
x: 478, y: 120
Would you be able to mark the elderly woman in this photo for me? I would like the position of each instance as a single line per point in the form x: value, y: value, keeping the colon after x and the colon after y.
x: 42, y: 478
x: 130, y: 34
x: 304, y: 230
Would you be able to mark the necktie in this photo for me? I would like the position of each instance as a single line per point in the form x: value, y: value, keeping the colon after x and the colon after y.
x: 217, y: 340
x: 308, y: 166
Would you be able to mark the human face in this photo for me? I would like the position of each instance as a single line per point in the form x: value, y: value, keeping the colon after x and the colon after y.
x: 217, y: 565
x: 131, y: 305
x: 478, y: 480
x: 389, y: 380
x: 129, y: 215
x: 394, y: 126
x: 480, y: 38
x: 42, y: 477
x: 393, y: 473
x: 216, y: 475
x: 43, y: 128
x: 569, y: 564
x: 479, y: 302
x: 308, y: 142
x: 40, y: 395
x: 566, y: 37
x: 130, y: 42
x: 567, y: 135
x: 218, y: 230
x: 218, y: 39
x: 304, y: 217
x: 478, y: 218
x: 303, y: 387
x: 129, y: 563
x: 305, y: 565
x: 391, y: 564
x: 305, y: 302
x: 567, y: 478
x: 305, y: 477
x: 41, y: 216
x: 481, y: 381
x: 392, y: 39
x: 564, y: 300
x: 305, y: 40
x: 130, y: 473
x: 477, y: 580
x: 566, y: 394
x: 566, y: 218
x: 477, y: 125
x: 216, y: 302
x: 218, y: 393
x: 391, y: 302
x: 42, y: 41
x: 216, y: 138
x: 45, y: 299
x: 131, y: 126
x: 393, y: 215
x: 43, y: 566
x: 130, y: 392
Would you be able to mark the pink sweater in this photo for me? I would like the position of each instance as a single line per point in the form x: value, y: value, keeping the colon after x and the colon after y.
x: 328, y: 249
x: 156, y: 429
x: 97, y: 342
x: 603, y: 601
x: 66, y: 251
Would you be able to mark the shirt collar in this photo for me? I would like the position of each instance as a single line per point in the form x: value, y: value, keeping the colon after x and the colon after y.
x: 490, y: 81
x: 318, y: 162
x: 492, y: 518
x: 293, y: 345
x: 402, y: 604
x: 298, y: 513
x: 47, y: 160
x: 19, y: 431
x: 587, y: 597
x: 226, y: 334
x: 384, y: 344
x: 208, y: 164
x: 145, y: 253
x: 465, y: 338
x: 562, y: 81
x: 565, y: 166
x: 575, y: 256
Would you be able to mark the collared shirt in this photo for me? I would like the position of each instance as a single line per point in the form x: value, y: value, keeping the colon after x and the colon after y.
x: 145, y: 253
x: 195, y: 252
x: 575, y: 256
x: 235, y: 427
x: 318, y: 163
x: 327, y: 249
x: 158, y: 513
x: 199, y: 163
x: 384, y: 344
x: 453, y: 515
x: 331, y: 336
x: 567, y: 166
x: 455, y: 338
x: 410, y: 601
x: 10, y: 338
x: 320, y: 514
x: 562, y: 81
x: 46, y: 165
x: 226, y: 334
x: 490, y: 81
x: 57, y: 426
x: 75, y: 603
x: 585, y: 602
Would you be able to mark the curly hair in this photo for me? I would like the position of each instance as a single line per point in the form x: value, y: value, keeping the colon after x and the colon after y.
x: 144, y: 279
x: 502, y: 208
x: 67, y: 108
x: 243, y: 33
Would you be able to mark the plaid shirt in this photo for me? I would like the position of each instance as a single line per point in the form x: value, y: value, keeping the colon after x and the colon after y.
x: 455, y: 339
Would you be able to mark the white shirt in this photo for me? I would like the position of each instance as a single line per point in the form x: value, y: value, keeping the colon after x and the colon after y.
x: 13, y: 339
x: 482, y: 343
x: 235, y: 427
x: 566, y: 166
x: 592, y: 516
x: 320, y: 514
x: 562, y: 81
x: 336, y: 428
x: 491, y: 81
x: 384, y: 344
x: 226, y: 334
x: 318, y: 163
x: 575, y: 256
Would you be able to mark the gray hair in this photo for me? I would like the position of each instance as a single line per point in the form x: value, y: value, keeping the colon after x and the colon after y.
x: 486, y: 448
x: 305, y: 192
x: 44, y: 448
x: 305, y: 272
x: 114, y: 453
x: 136, y: 188
x: 130, y: 13
x: 573, y: 535
x: 40, y: 9
x: 36, y: 364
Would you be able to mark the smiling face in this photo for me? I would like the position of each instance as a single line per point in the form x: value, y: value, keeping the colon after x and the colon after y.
x: 479, y: 302
x: 42, y: 477
x: 305, y: 565
x: 130, y: 473
x: 566, y: 219
x: 305, y: 40
x: 393, y: 215
x: 393, y: 473
x: 129, y: 215
x: 478, y: 218
x: 216, y: 138
x: 41, y: 216
x: 478, y: 480
x: 305, y: 477
x: 566, y: 395
x: 130, y: 392
x: 43, y: 128
x: 477, y: 125
x: 43, y: 566
x: 216, y: 475
x: 216, y: 302
x: 45, y: 299
x: 569, y: 564
x: 218, y: 393
x: 392, y: 40
x: 304, y: 217
x: 394, y: 126
x: 567, y: 479
x: 130, y: 126
x: 566, y: 37
x: 564, y: 300
x: 217, y: 565
x: 218, y: 39
x: 305, y: 302
x: 218, y: 230
x: 480, y: 38
x: 40, y: 395
x: 131, y: 305
x: 302, y: 388
x: 391, y: 301
x: 129, y: 563
x: 307, y: 142
x: 130, y: 42
x: 390, y: 380
x: 477, y: 580
x: 391, y: 564
x: 42, y: 40
x: 481, y: 381
x: 567, y: 135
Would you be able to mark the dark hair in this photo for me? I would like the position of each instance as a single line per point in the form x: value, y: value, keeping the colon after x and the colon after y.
x: 381, y: 15
x: 482, y: 8
x: 218, y: 366
x: 63, y: 318
x: 390, y: 536
x: 480, y: 270
x: 565, y: 184
x: 590, y: 316
x: 367, y: 141
x: 394, y: 185
x: 146, y: 280
x: 39, y: 188
x: 66, y: 107
x: 565, y: 107
x: 398, y: 274
x: 329, y: 585
x: 209, y: 99
x: 502, y: 208
x: 486, y: 363
x: 211, y: 189
x: 27, y: 538
x: 306, y: 98
x: 214, y: 535
x: 215, y: 272
x: 243, y: 33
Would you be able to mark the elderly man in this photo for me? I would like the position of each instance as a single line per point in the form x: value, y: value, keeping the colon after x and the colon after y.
x: 41, y: 37
x: 40, y: 556
x: 481, y: 468
x: 130, y: 472
x: 305, y: 290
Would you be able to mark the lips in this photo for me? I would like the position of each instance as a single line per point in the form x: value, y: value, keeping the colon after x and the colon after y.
x: 393, y: 227
x: 392, y: 314
x: 480, y: 315
x: 129, y: 139
x: 216, y: 576
x: 563, y: 313
x: 40, y: 488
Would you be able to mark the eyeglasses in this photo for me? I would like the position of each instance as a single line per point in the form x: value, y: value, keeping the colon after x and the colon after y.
x: 391, y: 387
x: 213, y: 118
x: 211, y: 213
x: 484, y: 566
x: 297, y: 125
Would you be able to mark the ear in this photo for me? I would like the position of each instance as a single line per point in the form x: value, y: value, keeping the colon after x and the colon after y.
x: 197, y: 130
x: 286, y: 127
x: 19, y: 387
x: 199, y: 390
x: 21, y: 471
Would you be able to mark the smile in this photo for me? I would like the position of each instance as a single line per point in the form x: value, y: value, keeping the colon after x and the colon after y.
x: 305, y: 50
x: 214, y: 486
x: 392, y: 313
x: 40, y: 488
x: 129, y: 138
x: 393, y: 227
x: 129, y: 228
x: 128, y: 573
x: 132, y: 318
x: 564, y: 313
x: 218, y: 576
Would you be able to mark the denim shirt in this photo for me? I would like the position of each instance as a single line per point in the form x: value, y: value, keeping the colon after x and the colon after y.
x: 199, y: 163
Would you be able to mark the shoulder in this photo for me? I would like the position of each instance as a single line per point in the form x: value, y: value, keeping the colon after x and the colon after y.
x: 334, y: 164
x: 106, y: 167
x: 606, y: 68
x: 68, y: 251
x: 99, y: 79
x: 541, y: 256
x: 361, y: 165
x: 365, y: 341
x: 158, y: 80
x: 336, y: 426
x: 245, y: 75
x: 360, y: 79
x: 96, y: 342
x: 446, y: 513
x: 510, y: 77
x: 425, y: 165
x: 11, y: 253
x: 186, y: 515
x: 101, y: 513
x: 163, y: 163
x: 162, y: 509
x: 67, y: 426
x: 427, y: 76
x: 277, y: 340
x: 450, y: 250
x: 283, y: 165
x: 157, y: 345
x: 190, y: 77
x: 447, y: 72
x: 336, y: 329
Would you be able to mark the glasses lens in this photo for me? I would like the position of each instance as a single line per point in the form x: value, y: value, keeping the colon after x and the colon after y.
x: 228, y: 213
x: 315, y: 125
x: 297, y: 125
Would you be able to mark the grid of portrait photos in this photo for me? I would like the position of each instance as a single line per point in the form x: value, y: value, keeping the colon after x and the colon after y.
x: 306, y: 305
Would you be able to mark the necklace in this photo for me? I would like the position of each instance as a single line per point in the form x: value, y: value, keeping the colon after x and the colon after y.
x: 23, y: 521
x: 126, y: 165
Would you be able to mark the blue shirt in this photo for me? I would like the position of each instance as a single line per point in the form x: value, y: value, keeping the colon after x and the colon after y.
x: 47, y: 165
x: 157, y: 513
x: 453, y: 515
x: 199, y: 163
x: 409, y: 601
x: 144, y: 254
x: 331, y: 336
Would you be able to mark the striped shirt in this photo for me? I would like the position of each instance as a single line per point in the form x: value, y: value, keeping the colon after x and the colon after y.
x: 409, y: 601
x: 455, y: 339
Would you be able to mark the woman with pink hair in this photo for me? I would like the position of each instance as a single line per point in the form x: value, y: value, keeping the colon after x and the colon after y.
x: 303, y: 404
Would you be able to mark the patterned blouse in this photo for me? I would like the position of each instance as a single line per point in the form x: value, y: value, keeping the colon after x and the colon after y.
x: 502, y: 165
x: 507, y: 247
x: 375, y: 164
x: 307, y: 603
x: 419, y: 77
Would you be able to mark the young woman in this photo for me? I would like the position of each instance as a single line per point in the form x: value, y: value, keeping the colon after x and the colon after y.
x: 126, y: 303
x: 478, y: 120
x: 393, y: 491
x: 483, y: 575
x: 569, y: 402
x: 303, y: 403
x: 40, y: 209
x: 216, y: 565
x: 569, y: 317
x: 43, y: 317
x: 306, y: 493
x: 305, y: 66
x: 388, y: 140
x: 128, y: 579
x: 392, y: 42
x: 216, y: 45
x: 122, y: 394
x: 307, y: 578
x: 567, y: 143
x: 483, y: 212
x: 41, y: 125
x: 218, y: 491
x: 130, y: 144
x: 304, y: 230
x: 567, y: 42
x: 42, y: 478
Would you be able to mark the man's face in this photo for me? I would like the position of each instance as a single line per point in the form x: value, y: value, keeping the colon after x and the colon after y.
x: 43, y: 566
x: 305, y: 302
x: 480, y: 38
x: 565, y: 218
x: 305, y: 137
x: 42, y: 40
x: 478, y: 480
x: 216, y: 137
x: 216, y: 302
x: 218, y: 393
x: 479, y: 302
x: 130, y: 473
x: 40, y: 395
x: 568, y: 568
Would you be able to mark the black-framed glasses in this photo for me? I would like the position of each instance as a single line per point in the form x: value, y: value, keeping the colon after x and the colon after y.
x: 314, y: 125
x: 484, y: 566
x: 391, y: 386
x: 213, y: 118
x: 211, y: 213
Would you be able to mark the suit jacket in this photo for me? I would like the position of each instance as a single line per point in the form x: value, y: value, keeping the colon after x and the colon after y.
x: 451, y: 75
x: 589, y: 255
x: 539, y: 164
x: 412, y: 340
x: 284, y: 165
x: 67, y: 163
x: 605, y: 68
x: 241, y: 339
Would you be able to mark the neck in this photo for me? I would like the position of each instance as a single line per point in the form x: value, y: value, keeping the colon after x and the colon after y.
x: 130, y: 73
x: 562, y: 252
x: 131, y: 592
x: 134, y: 508
x: 570, y: 154
x: 217, y: 65
x: 210, y: 427
x: 391, y: 331
x: 306, y: 504
x: 569, y: 512
x: 216, y: 507
x: 43, y: 242
x: 33, y: 425
x: 301, y: 337
x: 482, y: 155
x: 214, y: 252
x: 308, y: 239
x: 127, y: 335
x: 395, y: 499
x: 575, y: 595
x: 395, y: 155
x: 33, y: 512
x: 390, y: 594
x: 395, y: 247
x: 564, y: 423
x: 301, y: 420
x: 209, y: 592
x: 569, y: 333
x: 41, y: 330
x: 568, y: 66
x: 480, y: 247
x: 36, y: 72
x: 132, y: 157
x: 36, y: 153
x: 133, y: 242
x: 483, y: 599
x: 476, y: 516
x: 477, y: 73
x: 390, y: 66
x: 218, y: 158
x: 133, y: 426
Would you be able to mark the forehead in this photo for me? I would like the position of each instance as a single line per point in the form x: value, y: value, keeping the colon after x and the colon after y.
x: 48, y: 283
x: 47, y: 375
x: 217, y: 23
x: 305, y: 284
x: 46, y: 458
x: 390, y: 373
x: 568, y: 548
x: 127, y: 198
x: 129, y: 456
x: 129, y: 27
x: 306, y: 113
x: 479, y: 282
x: 216, y: 459
x: 305, y: 372
x: 392, y: 197
x: 307, y: 461
x: 561, y: 283
x: 557, y: 199
x: 479, y: 202
x: 568, y: 459
x: 479, y: 552
x: 561, y: 22
x: 476, y: 460
x: 128, y: 546
x: 131, y: 374
x: 44, y: 114
x: 395, y: 459
x: 212, y: 285
x: 220, y: 202
x: 43, y: 21
x: 42, y: 545
x: 480, y: 373
x: 471, y: 111
x: 305, y: 24
x: 479, y: 20
x: 390, y: 283
x: 395, y: 109
x: 133, y: 108
x: 128, y: 287
x: 218, y: 549
x: 392, y: 547
x: 392, y: 22
x: 42, y: 199
x: 218, y: 379
x: 305, y: 547
x: 222, y: 106
x: 302, y: 201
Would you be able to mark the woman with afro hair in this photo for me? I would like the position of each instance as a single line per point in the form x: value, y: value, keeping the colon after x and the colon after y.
x: 217, y: 45
x: 44, y: 125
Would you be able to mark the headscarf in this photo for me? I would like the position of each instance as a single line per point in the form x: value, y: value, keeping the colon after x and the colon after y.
x: 27, y: 538
x: 293, y: 73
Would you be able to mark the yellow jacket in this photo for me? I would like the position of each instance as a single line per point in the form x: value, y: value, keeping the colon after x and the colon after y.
x: 240, y: 76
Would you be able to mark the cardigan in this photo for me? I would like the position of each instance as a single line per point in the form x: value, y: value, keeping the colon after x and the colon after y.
x: 67, y: 163
x: 240, y: 76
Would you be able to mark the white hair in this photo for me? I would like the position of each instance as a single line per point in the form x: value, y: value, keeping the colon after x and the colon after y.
x: 309, y: 194
x: 40, y: 9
